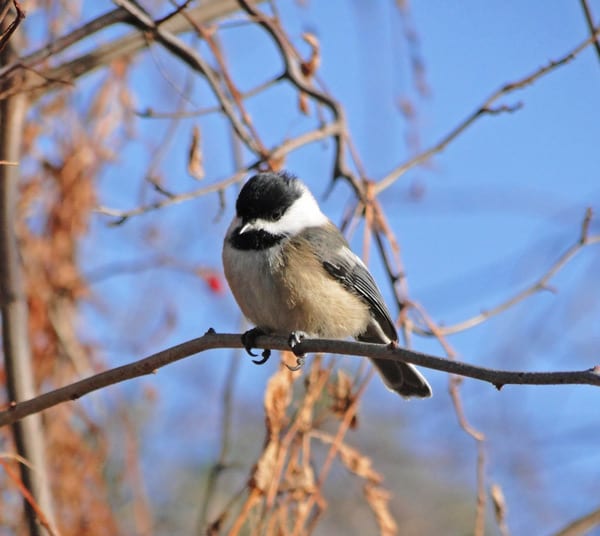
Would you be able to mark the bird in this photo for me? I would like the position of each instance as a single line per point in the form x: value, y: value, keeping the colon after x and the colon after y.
x: 292, y: 273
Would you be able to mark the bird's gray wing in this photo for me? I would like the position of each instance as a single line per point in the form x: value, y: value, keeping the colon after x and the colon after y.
x: 348, y: 269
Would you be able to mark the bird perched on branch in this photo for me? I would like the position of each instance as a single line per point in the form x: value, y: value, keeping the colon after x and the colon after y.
x: 293, y: 273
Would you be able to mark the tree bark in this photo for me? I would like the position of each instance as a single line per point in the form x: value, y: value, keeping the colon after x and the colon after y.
x: 28, y: 434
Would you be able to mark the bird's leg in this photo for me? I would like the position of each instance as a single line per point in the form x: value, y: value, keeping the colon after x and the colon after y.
x: 248, y: 340
x: 295, y: 339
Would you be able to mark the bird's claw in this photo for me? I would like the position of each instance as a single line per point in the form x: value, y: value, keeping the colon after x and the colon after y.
x: 296, y: 338
x: 266, y: 353
x: 299, y: 364
x: 248, y: 340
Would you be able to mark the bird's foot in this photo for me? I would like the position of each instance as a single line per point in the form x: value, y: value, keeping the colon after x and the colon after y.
x: 248, y: 340
x: 296, y: 338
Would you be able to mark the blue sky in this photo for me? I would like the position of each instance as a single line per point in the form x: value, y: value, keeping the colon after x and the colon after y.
x: 493, y: 212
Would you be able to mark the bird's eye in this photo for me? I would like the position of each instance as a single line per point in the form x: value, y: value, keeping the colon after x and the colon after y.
x: 277, y: 213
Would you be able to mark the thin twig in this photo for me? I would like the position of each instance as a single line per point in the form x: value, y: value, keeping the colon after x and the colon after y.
x: 343, y: 428
x: 144, y: 22
x: 293, y: 73
x: 70, y: 70
x: 484, y: 109
x: 278, y: 152
x: 479, y: 437
x: 589, y: 19
x: 581, y: 526
x: 149, y: 113
x: 12, y: 26
x: 123, y: 215
x: 234, y: 94
x: 583, y: 240
x: 27, y: 495
x: 61, y: 43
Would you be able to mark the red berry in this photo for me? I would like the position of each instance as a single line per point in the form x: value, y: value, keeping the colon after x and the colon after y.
x: 215, y: 284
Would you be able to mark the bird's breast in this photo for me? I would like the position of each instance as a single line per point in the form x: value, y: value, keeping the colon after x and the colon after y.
x: 250, y: 274
x: 284, y: 289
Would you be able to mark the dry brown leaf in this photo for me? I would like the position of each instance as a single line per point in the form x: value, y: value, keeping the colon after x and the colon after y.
x: 342, y: 396
x: 310, y: 66
x: 299, y: 477
x: 303, y: 103
x: 276, y: 163
x: 300, y: 481
x: 378, y: 499
x: 264, y: 470
x: 278, y: 396
x: 195, y: 160
x: 314, y: 382
x: 352, y: 458
x: 498, y: 502
x: 359, y: 464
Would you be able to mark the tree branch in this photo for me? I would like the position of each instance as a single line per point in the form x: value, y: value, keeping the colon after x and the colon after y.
x: 589, y: 19
x: 541, y: 284
x: 212, y: 340
x: 485, y: 109
x: 43, y: 81
x: 281, y: 150
x: 581, y: 526
x: 6, y: 33
x: 28, y: 434
x: 293, y: 73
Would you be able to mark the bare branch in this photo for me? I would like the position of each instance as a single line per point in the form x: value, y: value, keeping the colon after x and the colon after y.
x: 541, y: 284
x: 581, y: 526
x: 293, y: 72
x: 61, y: 43
x: 454, y: 384
x: 188, y: 55
x: 28, y: 434
x: 12, y: 26
x: 149, y: 113
x: 123, y: 215
x: 484, y: 109
x: 43, y: 81
x: 589, y: 19
x: 39, y: 512
x: 212, y: 340
x: 171, y: 199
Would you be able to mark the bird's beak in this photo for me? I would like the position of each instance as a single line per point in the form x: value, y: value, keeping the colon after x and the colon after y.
x: 245, y: 228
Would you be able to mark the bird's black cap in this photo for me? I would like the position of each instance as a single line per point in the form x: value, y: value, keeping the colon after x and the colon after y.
x: 268, y: 196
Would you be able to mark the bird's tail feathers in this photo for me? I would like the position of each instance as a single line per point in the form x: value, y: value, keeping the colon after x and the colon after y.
x: 403, y: 378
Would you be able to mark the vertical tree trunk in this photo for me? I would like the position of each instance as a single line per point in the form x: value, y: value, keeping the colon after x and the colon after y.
x: 28, y: 433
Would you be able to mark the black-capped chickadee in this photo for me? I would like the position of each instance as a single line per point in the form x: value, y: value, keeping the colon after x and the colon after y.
x: 290, y: 270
